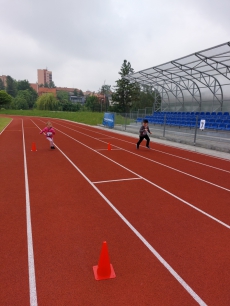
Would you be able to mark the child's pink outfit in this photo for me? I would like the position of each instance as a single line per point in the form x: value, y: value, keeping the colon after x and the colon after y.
x: 49, y: 132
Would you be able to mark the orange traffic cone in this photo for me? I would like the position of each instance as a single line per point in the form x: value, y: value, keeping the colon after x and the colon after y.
x: 109, y: 146
x: 33, y: 147
x: 104, y: 270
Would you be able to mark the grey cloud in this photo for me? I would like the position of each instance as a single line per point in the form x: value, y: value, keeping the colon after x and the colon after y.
x: 91, y: 37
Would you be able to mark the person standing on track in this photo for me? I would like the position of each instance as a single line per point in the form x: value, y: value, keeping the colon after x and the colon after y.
x: 49, y: 132
x: 143, y: 133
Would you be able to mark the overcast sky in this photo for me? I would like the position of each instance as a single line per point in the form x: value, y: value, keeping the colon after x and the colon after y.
x: 84, y: 43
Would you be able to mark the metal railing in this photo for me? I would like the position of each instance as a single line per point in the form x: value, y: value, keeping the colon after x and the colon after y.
x: 191, y: 135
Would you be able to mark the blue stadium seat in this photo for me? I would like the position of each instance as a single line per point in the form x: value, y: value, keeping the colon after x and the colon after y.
x: 221, y: 126
x: 187, y: 123
x: 208, y: 125
x: 214, y: 126
x: 226, y: 113
x: 182, y: 123
x: 193, y: 123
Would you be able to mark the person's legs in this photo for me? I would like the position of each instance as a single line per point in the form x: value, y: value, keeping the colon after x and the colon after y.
x: 51, y: 142
x: 147, y: 140
x: 139, y: 142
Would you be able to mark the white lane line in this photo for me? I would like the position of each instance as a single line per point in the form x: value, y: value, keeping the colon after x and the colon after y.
x: 32, y: 279
x: 6, y: 127
x: 105, y: 137
x: 182, y: 172
x: 163, y: 165
x: 157, y: 186
x: 166, y: 145
x: 109, y: 181
x: 110, y: 149
x: 192, y: 161
x: 145, y: 242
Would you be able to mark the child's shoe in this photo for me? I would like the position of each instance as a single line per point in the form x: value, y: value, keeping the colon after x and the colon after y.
x: 52, y: 147
x: 137, y: 146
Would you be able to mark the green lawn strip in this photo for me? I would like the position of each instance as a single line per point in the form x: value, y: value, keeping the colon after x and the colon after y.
x: 4, y: 122
x: 92, y: 118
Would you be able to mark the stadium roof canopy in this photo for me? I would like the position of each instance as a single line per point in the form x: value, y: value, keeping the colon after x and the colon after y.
x: 200, y: 80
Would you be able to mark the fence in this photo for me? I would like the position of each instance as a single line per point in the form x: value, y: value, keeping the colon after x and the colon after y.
x: 191, y: 135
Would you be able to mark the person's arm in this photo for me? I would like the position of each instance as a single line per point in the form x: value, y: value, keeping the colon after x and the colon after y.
x: 149, y: 131
x: 42, y: 131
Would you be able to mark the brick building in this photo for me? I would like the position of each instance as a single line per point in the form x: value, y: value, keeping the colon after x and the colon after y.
x: 3, y: 78
x: 44, y: 76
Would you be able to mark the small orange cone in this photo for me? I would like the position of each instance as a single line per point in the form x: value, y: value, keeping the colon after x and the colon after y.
x: 109, y: 146
x: 33, y: 149
x: 104, y: 270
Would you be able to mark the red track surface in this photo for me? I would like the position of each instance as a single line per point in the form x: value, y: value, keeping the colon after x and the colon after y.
x: 156, y: 190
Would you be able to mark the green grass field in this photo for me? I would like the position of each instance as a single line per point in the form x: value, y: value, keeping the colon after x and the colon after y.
x: 4, y: 122
x: 91, y: 118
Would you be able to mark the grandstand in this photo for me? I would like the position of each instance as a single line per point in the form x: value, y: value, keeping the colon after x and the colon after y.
x: 213, y: 120
x: 190, y: 89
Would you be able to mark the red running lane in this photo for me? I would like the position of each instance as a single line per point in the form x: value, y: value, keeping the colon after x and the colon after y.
x: 200, y: 170
x: 194, y: 191
x: 13, y: 252
x: 187, y: 243
x: 166, y: 150
x: 70, y: 221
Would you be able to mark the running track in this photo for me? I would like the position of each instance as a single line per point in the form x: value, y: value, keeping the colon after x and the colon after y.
x: 164, y: 212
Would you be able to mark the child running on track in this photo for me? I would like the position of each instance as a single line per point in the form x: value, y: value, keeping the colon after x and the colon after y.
x: 49, y: 132
x: 143, y: 134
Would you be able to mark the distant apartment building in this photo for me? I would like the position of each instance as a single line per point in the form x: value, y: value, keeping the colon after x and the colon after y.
x: 3, y: 78
x: 44, y: 76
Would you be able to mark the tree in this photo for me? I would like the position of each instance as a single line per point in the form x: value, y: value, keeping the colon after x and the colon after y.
x: 75, y: 92
x: 147, y: 97
x: 47, y: 102
x: 23, y: 85
x: 80, y: 93
x: 2, y: 86
x: 11, y: 87
x: 125, y: 92
x: 63, y: 98
x: 93, y: 103
x: 27, y: 91
x: 51, y: 84
x: 24, y: 99
x: 106, y: 91
x: 5, y: 98
x: 20, y: 103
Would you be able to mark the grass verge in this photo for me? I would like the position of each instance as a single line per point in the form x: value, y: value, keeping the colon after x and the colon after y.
x: 4, y: 122
x: 91, y: 118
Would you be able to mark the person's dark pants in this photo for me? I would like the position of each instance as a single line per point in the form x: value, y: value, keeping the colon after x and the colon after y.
x: 141, y: 139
